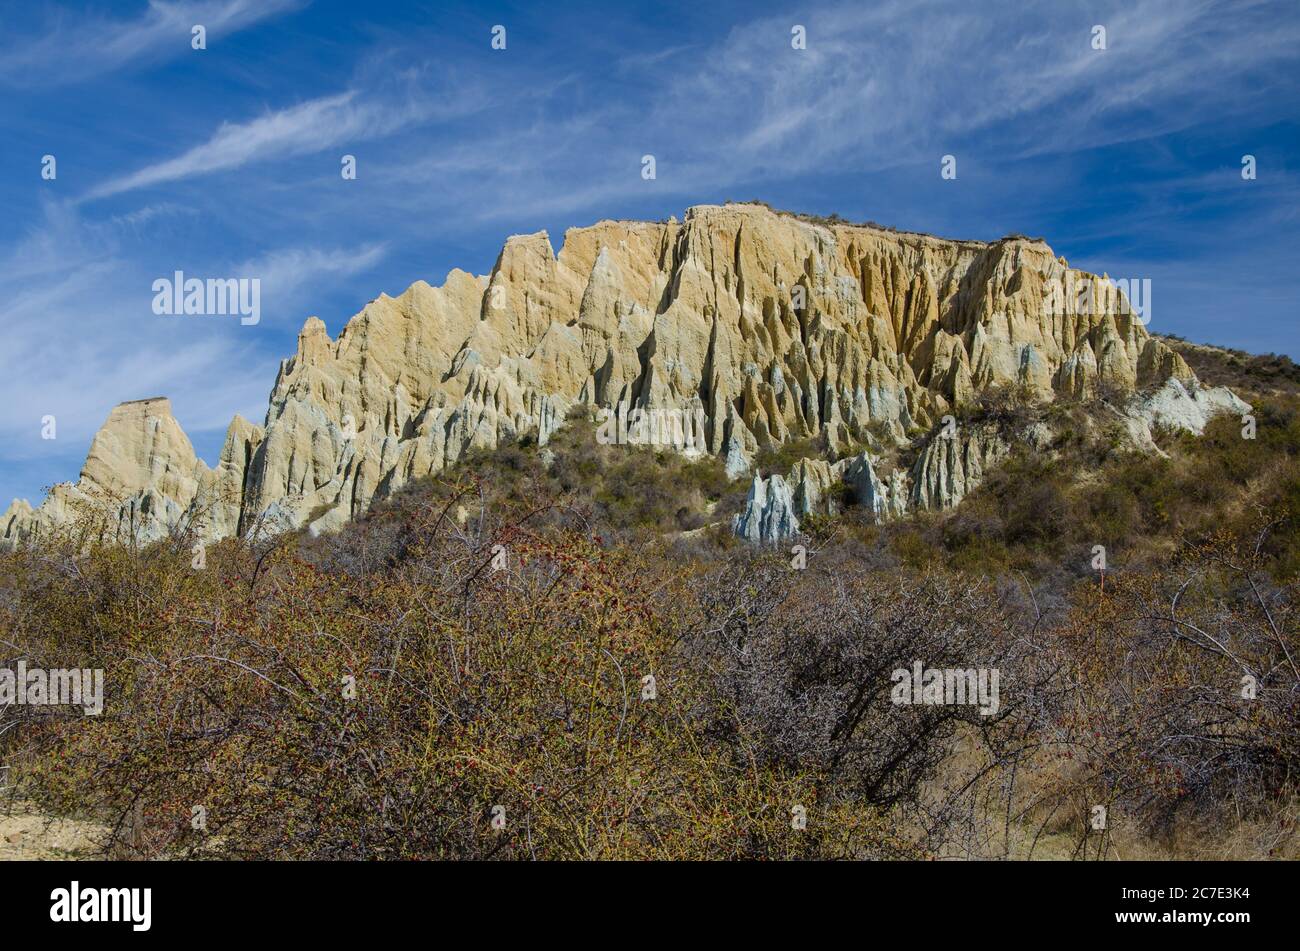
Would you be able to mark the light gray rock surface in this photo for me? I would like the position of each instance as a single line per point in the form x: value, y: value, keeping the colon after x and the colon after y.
x: 769, y: 516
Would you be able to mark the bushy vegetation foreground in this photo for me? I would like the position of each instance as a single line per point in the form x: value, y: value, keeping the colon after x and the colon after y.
x: 550, y: 655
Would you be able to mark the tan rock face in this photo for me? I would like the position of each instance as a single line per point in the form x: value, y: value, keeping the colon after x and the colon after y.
x: 778, y: 328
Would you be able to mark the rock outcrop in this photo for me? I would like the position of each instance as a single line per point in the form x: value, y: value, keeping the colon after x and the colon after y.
x: 141, y: 481
x: 776, y: 504
x: 769, y: 515
x: 1185, y: 405
x: 767, y: 326
x: 951, y: 466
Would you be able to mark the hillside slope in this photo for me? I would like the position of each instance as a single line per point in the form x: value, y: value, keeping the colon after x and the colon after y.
x: 751, y: 329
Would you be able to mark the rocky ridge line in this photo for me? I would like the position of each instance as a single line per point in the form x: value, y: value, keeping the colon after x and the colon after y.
x: 765, y: 326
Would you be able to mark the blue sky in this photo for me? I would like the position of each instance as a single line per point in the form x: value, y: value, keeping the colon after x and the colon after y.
x: 225, y: 162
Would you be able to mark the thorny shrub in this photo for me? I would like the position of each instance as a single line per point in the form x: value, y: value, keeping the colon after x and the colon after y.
x: 400, y: 691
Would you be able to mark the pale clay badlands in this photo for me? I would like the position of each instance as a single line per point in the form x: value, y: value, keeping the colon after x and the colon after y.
x: 703, y: 317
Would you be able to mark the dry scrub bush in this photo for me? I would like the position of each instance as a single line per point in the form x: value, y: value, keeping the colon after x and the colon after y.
x: 475, y: 688
x: 802, y: 665
x: 1152, y: 718
x: 521, y: 687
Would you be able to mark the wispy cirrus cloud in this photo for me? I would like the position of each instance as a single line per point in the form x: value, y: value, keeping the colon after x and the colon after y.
x: 285, y: 273
x: 889, y: 86
x: 906, y: 80
x: 305, y: 128
x: 76, y: 47
x: 75, y: 301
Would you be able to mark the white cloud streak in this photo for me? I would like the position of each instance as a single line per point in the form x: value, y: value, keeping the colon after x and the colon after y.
x: 81, y: 336
x: 305, y: 128
x: 74, y: 49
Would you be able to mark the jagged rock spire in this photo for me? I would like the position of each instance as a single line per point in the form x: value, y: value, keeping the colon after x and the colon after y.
x: 780, y: 328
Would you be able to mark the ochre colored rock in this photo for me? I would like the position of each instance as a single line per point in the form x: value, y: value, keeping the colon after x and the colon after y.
x: 778, y: 327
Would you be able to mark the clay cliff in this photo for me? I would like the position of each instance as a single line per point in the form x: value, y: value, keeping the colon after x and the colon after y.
x: 765, y: 327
